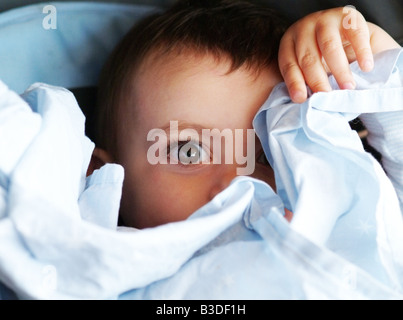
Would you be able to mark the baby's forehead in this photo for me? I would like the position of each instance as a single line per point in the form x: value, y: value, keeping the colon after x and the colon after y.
x: 194, y: 87
x: 189, y: 62
x: 164, y: 76
x: 183, y: 60
x: 157, y: 68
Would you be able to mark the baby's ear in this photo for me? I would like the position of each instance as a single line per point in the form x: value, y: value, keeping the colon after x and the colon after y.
x: 98, y: 159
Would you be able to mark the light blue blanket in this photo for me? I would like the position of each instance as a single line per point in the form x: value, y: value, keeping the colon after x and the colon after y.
x: 58, y: 237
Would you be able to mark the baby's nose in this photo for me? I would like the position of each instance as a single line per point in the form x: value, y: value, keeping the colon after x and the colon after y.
x: 224, y: 177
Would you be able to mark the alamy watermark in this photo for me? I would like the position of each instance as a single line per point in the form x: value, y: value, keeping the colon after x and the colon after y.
x: 50, y: 20
x: 190, y: 146
x: 350, y: 18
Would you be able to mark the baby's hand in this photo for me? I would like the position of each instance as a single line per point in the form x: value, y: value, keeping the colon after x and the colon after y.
x: 322, y: 42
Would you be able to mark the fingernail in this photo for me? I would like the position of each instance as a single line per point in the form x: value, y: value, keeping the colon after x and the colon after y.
x: 367, y: 65
x: 298, y: 96
x: 348, y: 86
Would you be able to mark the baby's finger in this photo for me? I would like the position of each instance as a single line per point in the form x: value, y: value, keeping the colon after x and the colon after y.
x: 310, y: 62
x: 331, y: 47
x: 357, y: 33
x: 290, y: 70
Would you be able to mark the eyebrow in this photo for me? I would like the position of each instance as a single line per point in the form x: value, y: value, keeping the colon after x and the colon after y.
x: 186, y: 125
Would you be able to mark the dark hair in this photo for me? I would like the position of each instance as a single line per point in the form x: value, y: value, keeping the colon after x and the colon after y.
x: 248, y: 34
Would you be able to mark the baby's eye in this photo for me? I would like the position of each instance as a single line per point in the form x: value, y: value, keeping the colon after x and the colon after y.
x: 190, y: 152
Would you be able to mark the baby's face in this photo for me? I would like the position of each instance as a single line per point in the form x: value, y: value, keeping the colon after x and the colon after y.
x: 166, y: 143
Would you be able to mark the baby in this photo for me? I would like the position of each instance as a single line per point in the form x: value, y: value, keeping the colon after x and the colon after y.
x: 185, y: 79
